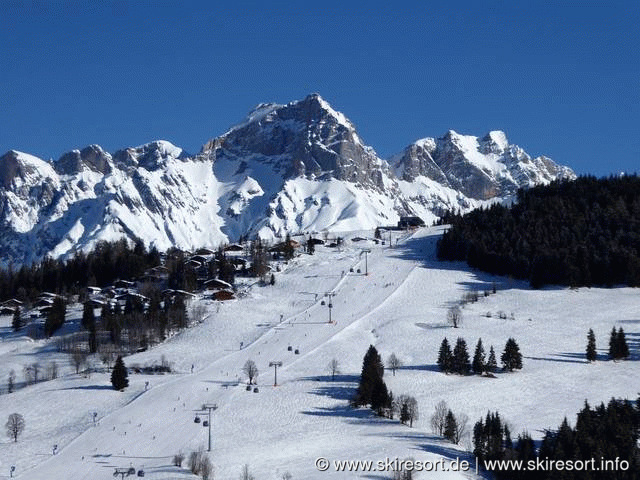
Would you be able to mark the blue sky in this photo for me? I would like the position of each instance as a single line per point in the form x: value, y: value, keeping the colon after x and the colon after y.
x: 562, y: 79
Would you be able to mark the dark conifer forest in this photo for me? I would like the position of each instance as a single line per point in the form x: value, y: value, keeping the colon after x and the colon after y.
x: 577, y: 233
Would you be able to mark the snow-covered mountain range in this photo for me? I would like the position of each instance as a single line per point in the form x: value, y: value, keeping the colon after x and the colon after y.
x: 285, y: 168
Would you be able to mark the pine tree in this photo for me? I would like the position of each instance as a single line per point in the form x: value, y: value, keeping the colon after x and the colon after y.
x: 450, y: 426
x: 621, y: 341
x: 119, y: 375
x: 511, y: 357
x: 372, y: 372
x: 461, y: 363
x: 16, y: 322
x: 614, y: 346
x: 88, y: 318
x: 478, y: 365
x: 445, y: 357
x: 55, y: 317
x: 591, y: 346
x: 492, y: 364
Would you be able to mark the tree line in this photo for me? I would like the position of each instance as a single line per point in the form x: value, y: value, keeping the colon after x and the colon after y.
x: 576, y: 233
x: 608, y: 434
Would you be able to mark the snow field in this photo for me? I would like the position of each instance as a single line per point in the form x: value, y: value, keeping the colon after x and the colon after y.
x: 399, y: 307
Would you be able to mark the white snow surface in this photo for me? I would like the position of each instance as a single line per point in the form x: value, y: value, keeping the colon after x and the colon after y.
x: 400, y: 307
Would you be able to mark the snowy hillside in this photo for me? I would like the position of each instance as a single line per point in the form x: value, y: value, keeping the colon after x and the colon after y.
x: 400, y: 307
x: 285, y: 168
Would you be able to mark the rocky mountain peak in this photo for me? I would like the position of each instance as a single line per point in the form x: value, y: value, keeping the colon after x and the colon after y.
x: 92, y: 158
x: 150, y: 156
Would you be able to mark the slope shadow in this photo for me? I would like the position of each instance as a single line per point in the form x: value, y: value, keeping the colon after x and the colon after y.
x: 423, y: 251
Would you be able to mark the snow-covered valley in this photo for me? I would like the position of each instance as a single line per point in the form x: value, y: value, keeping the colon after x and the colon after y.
x: 400, y: 307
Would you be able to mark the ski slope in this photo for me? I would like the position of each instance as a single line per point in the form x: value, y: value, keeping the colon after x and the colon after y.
x: 400, y: 307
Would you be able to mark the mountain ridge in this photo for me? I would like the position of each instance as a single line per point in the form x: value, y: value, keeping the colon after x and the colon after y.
x: 285, y: 168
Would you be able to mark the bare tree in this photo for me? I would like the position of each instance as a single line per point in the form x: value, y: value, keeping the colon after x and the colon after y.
x: 245, y: 474
x: 334, y: 368
x: 393, y: 363
x: 11, y: 383
x: 197, y: 312
x: 206, y: 468
x: 52, y: 370
x: 250, y: 370
x: 462, y: 427
x: 107, y: 357
x: 454, y: 316
x: 178, y: 458
x: 15, y: 426
x: 79, y: 359
x: 439, y: 417
x: 404, y: 473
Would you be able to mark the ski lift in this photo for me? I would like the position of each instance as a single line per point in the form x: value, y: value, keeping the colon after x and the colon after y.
x: 255, y: 390
x: 205, y: 423
x: 351, y: 269
x: 297, y: 352
x: 141, y: 473
x: 322, y: 302
x: 196, y: 420
x: 289, y: 348
x: 131, y: 471
x: 330, y: 305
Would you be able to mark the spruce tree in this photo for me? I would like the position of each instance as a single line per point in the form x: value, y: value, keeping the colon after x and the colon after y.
x: 88, y: 318
x: 623, y: 348
x: 55, y: 316
x: 445, y: 357
x: 591, y: 346
x: 478, y: 365
x: 450, y: 427
x: 614, y: 346
x: 372, y: 371
x: 511, y: 357
x: 492, y: 364
x: 461, y: 363
x: 119, y: 375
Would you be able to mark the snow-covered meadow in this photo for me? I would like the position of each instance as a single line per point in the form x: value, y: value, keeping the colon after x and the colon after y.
x: 400, y: 307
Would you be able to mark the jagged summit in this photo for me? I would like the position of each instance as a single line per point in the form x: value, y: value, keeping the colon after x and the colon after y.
x: 480, y: 168
x: 292, y: 167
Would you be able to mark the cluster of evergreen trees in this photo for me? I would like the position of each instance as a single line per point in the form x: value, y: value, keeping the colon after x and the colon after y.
x: 107, y: 263
x: 457, y: 360
x: 582, y: 232
x: 603, y: 444
x: 144, y: 325
x: 618, y: 347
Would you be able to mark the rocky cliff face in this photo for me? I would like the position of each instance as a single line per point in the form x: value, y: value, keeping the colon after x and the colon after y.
x: 285, y: 168
x: 480, y: 168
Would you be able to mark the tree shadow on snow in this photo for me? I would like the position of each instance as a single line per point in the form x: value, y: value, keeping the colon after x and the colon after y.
x: 559, y: 360
x: 88, y: 387
x: 327, y: 378
x: 423, y: 368
x: 337, y: 392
